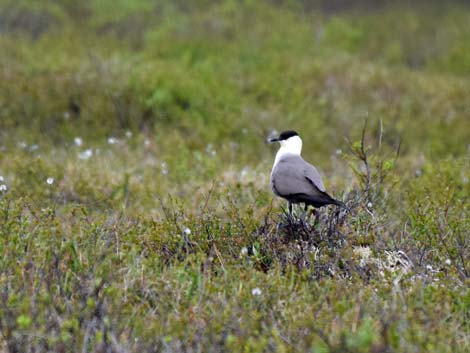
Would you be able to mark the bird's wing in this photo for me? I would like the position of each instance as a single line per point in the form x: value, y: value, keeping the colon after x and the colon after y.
x: 292, y: 175
x: 311, y: 173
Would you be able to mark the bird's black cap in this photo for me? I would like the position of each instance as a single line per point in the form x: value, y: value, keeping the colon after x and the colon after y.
x: 287, y: 134
x: 284, y: 135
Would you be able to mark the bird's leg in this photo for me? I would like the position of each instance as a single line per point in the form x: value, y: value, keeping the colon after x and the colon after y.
x: 315, y: 220
x: 304, y: 214
x: 289, y: 206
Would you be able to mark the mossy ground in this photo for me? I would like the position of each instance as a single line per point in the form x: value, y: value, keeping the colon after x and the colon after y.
x: 135, y: 210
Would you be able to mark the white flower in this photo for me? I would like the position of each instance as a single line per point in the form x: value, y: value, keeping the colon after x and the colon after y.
x: 50, y: 181
x: 429, y: 268
x: 256, y: 291
x: 22, y: 144
x: 448, y: 262
x: 128, y: 134
x: 85, y: 154
x: 3, y: 187
x: 338, y: 151
x: 147, y: 142
x: 78, y: 141
x: 244, y: 251
x: 369, y: 205
x: 164, y: 168
x: 187, y: 231
x: 1, y: 178
x: 210, y: 150
x: 112, y: 140
x: 244, y: 172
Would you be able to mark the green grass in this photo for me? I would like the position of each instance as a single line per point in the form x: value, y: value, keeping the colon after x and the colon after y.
x: 158, y: 232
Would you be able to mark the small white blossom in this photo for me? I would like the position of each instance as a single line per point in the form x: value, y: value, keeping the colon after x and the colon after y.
x: 210, y: 150
x: 78, y: 141
x: 128, y: 134
x: 1, y: 178
x: 164, y: 168
x: 256, y: 291
x: 85, y: 154
x: 448, y: 262
x: 187, y: 231
x: 50, y: 181
x: 369, y: 205
x: 244, y: 251
x: 3, y: 187
x: 22, y: 144
x: 147, y: 142
x: 338, y: 151
x: 112, y: 140
x: 244, y: 172
x: 429, y: 268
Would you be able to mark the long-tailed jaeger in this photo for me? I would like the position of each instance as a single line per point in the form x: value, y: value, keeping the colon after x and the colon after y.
x: 294, y: 179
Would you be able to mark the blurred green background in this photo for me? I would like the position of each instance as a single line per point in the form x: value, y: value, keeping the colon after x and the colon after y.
x: 193, y: 73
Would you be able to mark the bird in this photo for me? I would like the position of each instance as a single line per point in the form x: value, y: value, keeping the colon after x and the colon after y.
x: 296, y: 180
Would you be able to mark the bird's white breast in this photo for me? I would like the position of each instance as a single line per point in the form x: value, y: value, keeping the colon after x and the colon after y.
x: 292, y: 145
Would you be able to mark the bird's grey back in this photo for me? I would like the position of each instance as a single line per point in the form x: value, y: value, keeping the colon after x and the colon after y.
x: 292, y: 175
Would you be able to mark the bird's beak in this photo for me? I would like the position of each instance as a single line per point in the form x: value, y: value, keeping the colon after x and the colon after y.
x: 273, y: 139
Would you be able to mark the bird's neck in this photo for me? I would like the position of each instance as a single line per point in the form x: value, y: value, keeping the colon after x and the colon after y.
x: 287, y: 150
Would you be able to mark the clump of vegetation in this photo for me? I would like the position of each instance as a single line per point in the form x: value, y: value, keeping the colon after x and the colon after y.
x: 135, y: 210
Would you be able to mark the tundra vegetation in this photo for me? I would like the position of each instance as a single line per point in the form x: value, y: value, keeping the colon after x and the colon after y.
x: 135, y: 210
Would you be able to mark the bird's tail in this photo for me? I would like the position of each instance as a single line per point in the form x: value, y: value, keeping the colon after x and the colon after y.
x: 340, y: 204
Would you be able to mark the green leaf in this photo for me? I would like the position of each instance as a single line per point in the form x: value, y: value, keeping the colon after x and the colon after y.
x: 23, y: 321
